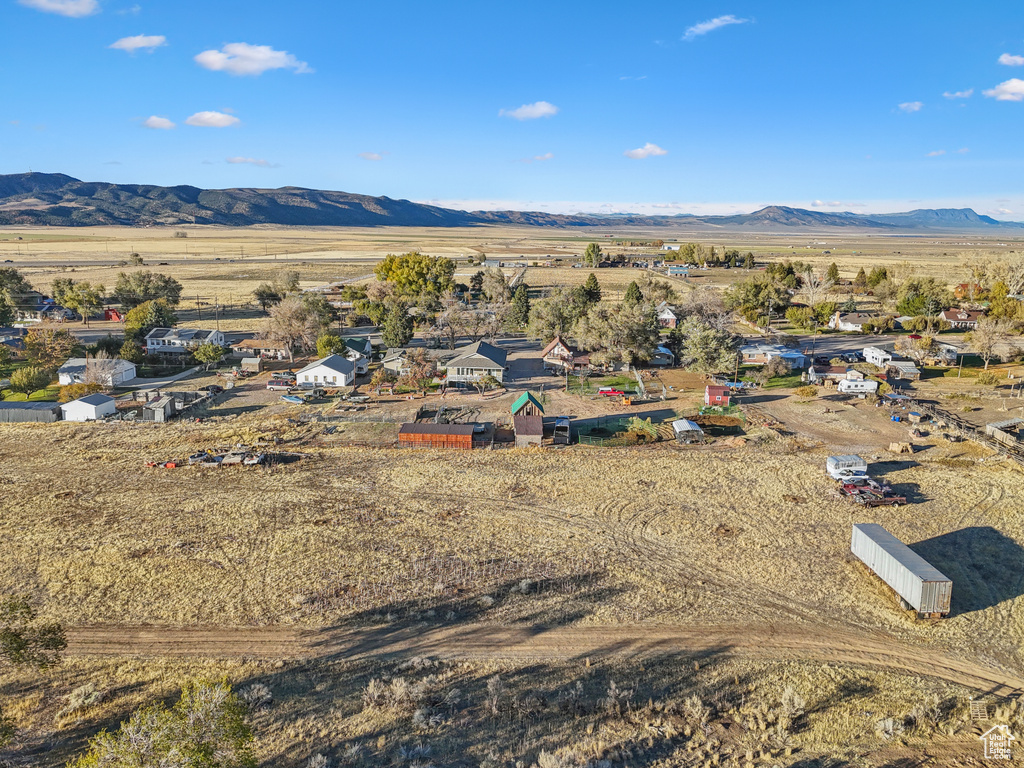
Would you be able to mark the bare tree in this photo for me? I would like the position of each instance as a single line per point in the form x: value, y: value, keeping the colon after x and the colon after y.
x: 815, y: 287
x: 706, y: 304
x: 292, y: 323
x: 988, y: 337
x: 452, y: 320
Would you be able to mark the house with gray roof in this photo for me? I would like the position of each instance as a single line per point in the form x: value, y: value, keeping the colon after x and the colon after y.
x: 180, y: 341
x: 472, y: 363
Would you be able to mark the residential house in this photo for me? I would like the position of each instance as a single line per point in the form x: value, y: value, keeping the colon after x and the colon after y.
x: 666, y: 317
x: 760, y: 353
x: 715, y: 394
x: 560, y: 356
x: 331, y: 371
x: 678, y: 270
x: 472, y: 363
x: 32, y: 306
x: 855, y: 321
x: 962, y: 319
x: 180, y: 341
x: 89, y: 408
x: 396, y: 359
x: 819, y: 374
x: 967, y: 291
x: 662, y: 357
x: 527, y: 405
x: 268, y: 350
x: 529, y: 430
x: 108, y: 372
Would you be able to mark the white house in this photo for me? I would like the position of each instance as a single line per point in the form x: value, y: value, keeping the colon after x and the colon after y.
x: 88, y: 408
x: 962, y: 319
x: 877, y: 356
x: 108, y: 372
x: 760, y: 353
x: 331, y: 371
x: 180, y: 341
x: 271, y: 350
x: 359, y: 360
x: 853, y: 321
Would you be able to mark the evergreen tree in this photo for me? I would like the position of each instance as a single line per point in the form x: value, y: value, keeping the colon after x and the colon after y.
x: 850, y: 305
x: 748, y: 261
x: 860, y: 282
x: 633, y: 295
x: 593, y: 256
x: 398, y: 326
x: 592, y: 289
x: 519, y: 313
x: 832, y: 274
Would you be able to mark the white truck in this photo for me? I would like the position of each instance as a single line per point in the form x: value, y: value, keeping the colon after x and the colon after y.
x: 845, y: 467
x: 855, y: 387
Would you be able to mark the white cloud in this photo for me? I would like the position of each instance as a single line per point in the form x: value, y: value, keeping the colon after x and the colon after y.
x: 1010, y: 60
x: 530, y: 111
x: 711, y: 25
x: 829, y: 204
x: 936, y: 153
x: 212, y: 120
x: 1002, y: 211
x: 135, y: 10
x: 245, y: 59
x: 959, y: 94
x: 249, y: 161
x: 1010, y: 90
x: 73, y: 8
x: 158, y: 123
x: 911, y: 106
x: 963, y: 151
x: 139, y: 42
x: 538, y: 158
x: 371, y: 156
x: 647, y: 150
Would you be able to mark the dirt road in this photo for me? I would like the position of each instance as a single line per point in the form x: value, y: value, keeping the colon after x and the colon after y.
x: 482, y: 641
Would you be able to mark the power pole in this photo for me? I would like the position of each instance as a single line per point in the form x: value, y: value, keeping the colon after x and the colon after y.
x: 199, y: 309
x: 216, y: 309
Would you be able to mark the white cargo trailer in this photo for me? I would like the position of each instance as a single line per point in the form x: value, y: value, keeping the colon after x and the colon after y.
x: 839, y: 467
x: 920, y: 585
x: 854, y: 387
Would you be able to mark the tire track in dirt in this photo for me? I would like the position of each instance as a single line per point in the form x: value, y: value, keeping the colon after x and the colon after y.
x: 536, y: 643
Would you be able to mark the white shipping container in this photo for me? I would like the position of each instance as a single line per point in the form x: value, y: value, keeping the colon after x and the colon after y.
x: 918, y: 582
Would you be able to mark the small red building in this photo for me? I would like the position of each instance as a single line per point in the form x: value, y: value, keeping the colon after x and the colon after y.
x: 716, y: 395
x: 436, y: 436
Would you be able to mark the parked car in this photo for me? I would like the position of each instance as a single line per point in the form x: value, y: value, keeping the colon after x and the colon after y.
x: 276, y: 384
x: 610, y: 392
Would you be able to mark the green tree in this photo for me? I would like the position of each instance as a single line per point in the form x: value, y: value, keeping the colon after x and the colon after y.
x: 832, y: 273
x: 137, y: 288
x: 550, y: 317
x: 592, y: 289
x: 381, y: 377
x: 519, y: 313
x: 266, y: 295
x: 48, y: 348
x: 398, y: 326
x: 801, y: 317
x: 622, y: 332
x: 495, y: 285
x: 6, y: 355
x: 71, y: 392
x: 131, y: 352
x: 878, y: 275
x: 923, y: 296
x: 30, y: 379
x: 633, y: 295
x: 757, y: 296
x: 145, y: 317
x: 707, y: 349
x: 823, y: 311
x: 593, y: 256
x: 748, y: 261
x: 860, y: 282
x: 83, y: 298
x: 328, y: 344
x: 209, y: 353
x: 476, y: 282
x: 206, y: 728
x: 414, y: 274
x: 850, y: 305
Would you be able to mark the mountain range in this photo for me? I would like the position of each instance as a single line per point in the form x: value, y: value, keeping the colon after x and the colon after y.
x: 54, y: 199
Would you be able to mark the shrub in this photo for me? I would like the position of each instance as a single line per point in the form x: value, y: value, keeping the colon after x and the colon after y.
x: 71, y: 392
x: 988, y: 378
x: 807, y: 391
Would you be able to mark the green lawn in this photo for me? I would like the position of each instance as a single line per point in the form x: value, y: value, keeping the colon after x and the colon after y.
x: 44, y: 395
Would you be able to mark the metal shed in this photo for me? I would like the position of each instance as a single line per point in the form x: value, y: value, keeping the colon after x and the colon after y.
x: 161, y: 409
x: 529, y: 430
x: 687, y: 431
x: 914, y: 579
x: 436, y: 436
x: 22, y: 412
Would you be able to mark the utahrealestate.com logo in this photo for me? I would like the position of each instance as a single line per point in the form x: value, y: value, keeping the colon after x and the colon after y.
x: 997, y: 742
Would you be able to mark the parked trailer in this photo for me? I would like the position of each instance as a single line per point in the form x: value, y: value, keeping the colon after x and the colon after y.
x: 845, y: 466
x: 920, y: 585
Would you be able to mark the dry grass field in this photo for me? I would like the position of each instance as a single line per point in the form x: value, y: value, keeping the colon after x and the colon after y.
x: 601, y: 586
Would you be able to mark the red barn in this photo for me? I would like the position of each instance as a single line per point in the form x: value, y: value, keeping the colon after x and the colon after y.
x: 716, y: 395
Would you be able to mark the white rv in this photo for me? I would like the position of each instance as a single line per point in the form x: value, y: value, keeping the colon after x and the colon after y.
x: 851, y: 387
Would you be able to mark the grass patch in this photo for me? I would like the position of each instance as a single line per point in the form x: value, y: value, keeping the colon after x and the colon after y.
x: 43, y: 395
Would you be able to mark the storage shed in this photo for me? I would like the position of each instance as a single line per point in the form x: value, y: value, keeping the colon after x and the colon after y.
x: 687, y: 431
x: 252, y: 364
x: 89, y: 408
x: 527, y: 405
x: 436, y: 436
x: 160, y: 410
x: 918, y: 583
x: 1008, y: 432
x: 21, y: 412
x: 529, y: 430
x: 716, y: 395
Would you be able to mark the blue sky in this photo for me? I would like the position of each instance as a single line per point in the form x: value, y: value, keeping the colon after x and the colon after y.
x: 658, y: 107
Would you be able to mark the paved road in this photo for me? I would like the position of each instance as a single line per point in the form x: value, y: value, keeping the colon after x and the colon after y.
x: 496, y: 642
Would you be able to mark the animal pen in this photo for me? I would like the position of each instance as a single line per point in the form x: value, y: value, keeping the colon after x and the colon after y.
x: 458, y: 436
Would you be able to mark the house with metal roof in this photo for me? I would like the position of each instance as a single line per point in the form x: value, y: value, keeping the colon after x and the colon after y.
x: 331, y: 371
x: 527, y: 405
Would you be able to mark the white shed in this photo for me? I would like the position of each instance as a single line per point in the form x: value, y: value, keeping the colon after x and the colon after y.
x: 88, y: 408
